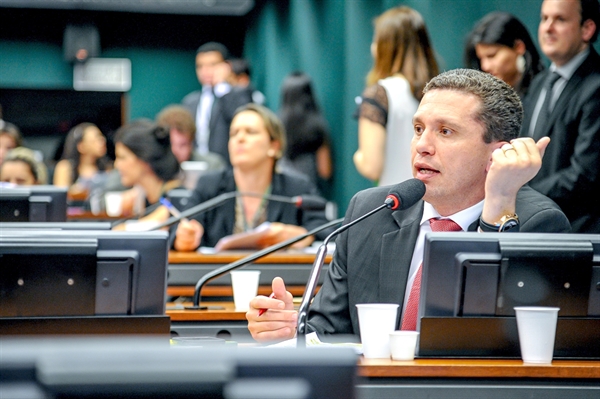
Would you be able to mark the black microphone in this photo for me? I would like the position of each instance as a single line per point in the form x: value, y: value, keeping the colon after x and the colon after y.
x: 305, y: 202
x: 251, y: 258
x: 400, y: 196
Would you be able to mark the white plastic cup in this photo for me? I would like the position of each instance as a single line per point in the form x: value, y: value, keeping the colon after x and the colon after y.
x: 537, y: 329
x: 113, y: 203
x: 245, y: 287
x: 376, y: 321
x: 403, y: 344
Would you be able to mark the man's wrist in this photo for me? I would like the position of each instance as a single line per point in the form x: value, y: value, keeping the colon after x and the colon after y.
x: 507, y: 223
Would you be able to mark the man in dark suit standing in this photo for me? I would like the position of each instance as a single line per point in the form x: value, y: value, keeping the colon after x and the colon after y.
x: 466, y: 152
x: 213, y: 106
x: 563, y: 103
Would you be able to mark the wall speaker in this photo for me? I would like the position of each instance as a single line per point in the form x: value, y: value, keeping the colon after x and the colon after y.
x: 81, y: 42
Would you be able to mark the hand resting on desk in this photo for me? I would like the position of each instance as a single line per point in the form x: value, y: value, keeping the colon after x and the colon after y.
x: 279, y: 322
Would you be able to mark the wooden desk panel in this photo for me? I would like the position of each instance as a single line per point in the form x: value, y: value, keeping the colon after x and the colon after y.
x: 186, y: 268
x: 477, y: 368
x: 227, y: 291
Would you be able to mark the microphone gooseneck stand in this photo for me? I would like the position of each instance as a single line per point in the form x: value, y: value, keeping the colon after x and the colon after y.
x: 311, y: 285
x: 251, y: 258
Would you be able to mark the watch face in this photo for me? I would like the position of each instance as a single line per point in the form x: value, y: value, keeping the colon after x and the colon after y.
x: 509, y: 224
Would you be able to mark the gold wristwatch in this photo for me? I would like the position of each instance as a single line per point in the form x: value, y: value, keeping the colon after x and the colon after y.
x: 506, y: 223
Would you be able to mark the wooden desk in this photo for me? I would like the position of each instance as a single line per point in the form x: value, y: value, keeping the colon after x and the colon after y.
x: 186, y: 268
x: 477, y: 378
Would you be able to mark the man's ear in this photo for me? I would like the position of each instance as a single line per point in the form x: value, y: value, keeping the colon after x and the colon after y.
x: 587, y: 30
x: 493, y: 147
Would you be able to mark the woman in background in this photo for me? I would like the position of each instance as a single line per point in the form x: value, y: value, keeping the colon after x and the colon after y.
x: 145, y: 161
x: 10, y: 138
x: 256, y: 142
x: 21, y: 168
x: 84, y: 158
x: 403, y: 63
x: 500, y: 45
x: 308, y: 149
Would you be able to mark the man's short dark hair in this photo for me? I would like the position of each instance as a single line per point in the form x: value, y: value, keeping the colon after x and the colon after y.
x: 239, y: 66
x: 590, y: 9
x: 501, y: 111
x: 214, y: 46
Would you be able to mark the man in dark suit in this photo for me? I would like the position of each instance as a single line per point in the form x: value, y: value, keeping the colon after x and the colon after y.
x: 570, y: 174
x: 213, y: 106
x: 465, y: 149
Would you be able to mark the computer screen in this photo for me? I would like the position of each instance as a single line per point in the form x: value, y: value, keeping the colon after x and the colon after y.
x: 472, y: 281
x: 92, y: 368
x: 33, y: 204
x: 82, y: 272
x: 56, y: 225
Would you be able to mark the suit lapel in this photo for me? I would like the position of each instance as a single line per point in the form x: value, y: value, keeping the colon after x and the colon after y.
x: 396, y: 254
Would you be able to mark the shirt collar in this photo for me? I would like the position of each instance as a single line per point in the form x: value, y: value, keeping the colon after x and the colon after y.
x: 567, y: 70
x: 463, y: 218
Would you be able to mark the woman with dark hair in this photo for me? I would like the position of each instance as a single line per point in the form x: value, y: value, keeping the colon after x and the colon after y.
x: 308, y: 149
x: 84, y: 157
x: 500, y: 44
x: 403, y: 63
x: 145, y: 161
x: 256, y: 141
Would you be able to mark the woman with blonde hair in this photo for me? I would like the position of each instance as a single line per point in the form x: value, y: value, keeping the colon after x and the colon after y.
x: 404, y: 62
x: 256, y: 142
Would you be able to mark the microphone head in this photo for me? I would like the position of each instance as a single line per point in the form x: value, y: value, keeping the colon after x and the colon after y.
x: 405, y: 194
x: 310, y: 202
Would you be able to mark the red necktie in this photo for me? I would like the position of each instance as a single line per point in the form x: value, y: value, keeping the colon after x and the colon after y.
x: 409, y: 320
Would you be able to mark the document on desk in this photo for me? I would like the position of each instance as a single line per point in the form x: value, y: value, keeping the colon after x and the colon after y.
x: 313, y: 341
x: 245, y: 240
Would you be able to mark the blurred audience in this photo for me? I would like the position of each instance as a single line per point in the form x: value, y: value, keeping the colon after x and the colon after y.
x: 21, y: 167
x: 308, y: 150
x: 256, y: 141
x: 214, y: 105
x: 145, y: 161
x: 500, y: 44
x: 182, y: 131
x: 83, y: 161
x: 10, y: 137
x: 404, y: 62
x: 240, y: 77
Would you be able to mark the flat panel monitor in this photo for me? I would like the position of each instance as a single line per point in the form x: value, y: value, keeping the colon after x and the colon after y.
x: 82, y: 273
x: 56, y: 225
x: 474, y: 280
x: 84, y: 368
x: 33, y: 204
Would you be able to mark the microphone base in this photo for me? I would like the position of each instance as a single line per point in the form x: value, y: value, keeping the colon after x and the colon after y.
x: 204, y: 308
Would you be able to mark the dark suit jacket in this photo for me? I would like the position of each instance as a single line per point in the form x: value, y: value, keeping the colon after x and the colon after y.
x: 221, y: 115
x: 372, y: 261
x: 219, y: 221
x: 570, y: 172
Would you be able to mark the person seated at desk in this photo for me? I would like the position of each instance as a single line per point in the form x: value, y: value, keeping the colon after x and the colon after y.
x: 256, y: 142
x: 84, y: 159
x: 21, y: 168
x: 145, y: 161
x: 466, y: 152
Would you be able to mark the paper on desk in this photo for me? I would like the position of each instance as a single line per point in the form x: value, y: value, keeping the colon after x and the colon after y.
x: 245, y: 240
x: 312, y: 340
